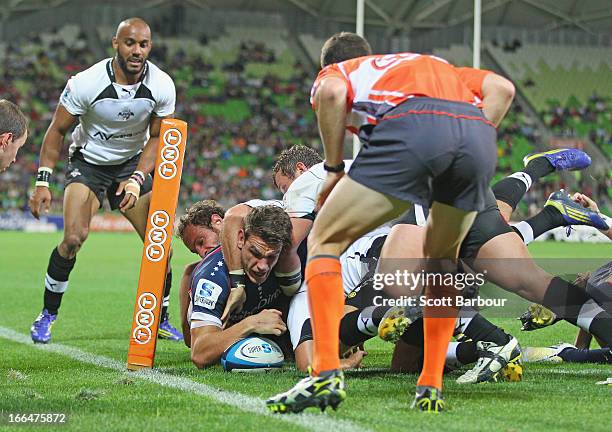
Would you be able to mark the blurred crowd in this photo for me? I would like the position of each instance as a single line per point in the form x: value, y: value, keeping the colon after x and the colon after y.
x: 231, y: 148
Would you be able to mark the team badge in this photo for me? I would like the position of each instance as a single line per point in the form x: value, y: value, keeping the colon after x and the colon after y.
x: 125, y: 113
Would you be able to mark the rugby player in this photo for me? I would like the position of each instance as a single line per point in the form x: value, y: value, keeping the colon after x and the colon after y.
x: 451, y: 114
x: 13, y: 132
x: 117, y: 105
x: 266, y: 232
x: 598, y: 284
x: 493, y: 246
x: 291, y: 162
x: 199, y: 229
x: 362, y: 319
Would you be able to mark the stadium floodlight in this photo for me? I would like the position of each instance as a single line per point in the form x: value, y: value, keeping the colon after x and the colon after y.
x: 156, y: 249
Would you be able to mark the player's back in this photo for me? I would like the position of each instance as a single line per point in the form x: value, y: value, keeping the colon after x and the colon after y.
x: 378, y: 83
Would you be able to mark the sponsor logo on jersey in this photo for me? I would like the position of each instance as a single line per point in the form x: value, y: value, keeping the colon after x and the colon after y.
x: 75, y: 173
x: 207, y: 294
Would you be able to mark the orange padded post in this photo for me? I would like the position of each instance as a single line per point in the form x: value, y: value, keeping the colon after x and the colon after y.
x: 160, y: 223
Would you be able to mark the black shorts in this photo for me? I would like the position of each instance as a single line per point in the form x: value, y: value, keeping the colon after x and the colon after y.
x: 428, y: 150
x: 104, y: 179
x: 489, y: 223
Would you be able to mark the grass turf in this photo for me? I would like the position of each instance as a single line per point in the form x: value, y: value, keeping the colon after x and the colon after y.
x: 96, y: 317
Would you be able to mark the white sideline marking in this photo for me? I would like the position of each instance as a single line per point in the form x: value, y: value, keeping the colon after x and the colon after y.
x: 316, y: 422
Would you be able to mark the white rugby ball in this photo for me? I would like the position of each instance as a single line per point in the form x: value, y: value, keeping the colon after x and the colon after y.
x: 252, y: 354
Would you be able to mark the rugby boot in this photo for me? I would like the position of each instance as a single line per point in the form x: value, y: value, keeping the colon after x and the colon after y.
x: 41, y: 328
x: 393, y: 324
x: 562, y: 159
x: 545, y: 354
x: 492, y: 359
x: 428, y: 399
x: 168, y: 331
x: 573, y: 213
x: 320, y: 391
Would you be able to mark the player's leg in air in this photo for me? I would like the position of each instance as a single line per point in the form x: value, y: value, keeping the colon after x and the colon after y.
x: 510, y: 190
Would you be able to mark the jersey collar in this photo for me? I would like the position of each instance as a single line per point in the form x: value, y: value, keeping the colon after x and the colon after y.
x: 111, y: 72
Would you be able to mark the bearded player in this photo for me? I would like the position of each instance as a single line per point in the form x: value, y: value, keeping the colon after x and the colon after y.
x: 117, y: 106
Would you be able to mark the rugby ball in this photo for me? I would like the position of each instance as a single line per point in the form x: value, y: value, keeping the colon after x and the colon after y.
x: 252, y: 354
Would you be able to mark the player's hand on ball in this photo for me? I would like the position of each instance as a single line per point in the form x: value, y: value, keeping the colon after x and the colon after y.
x: 537, y: 317
x: 40, y: 201
x: 234, y: 304
x: 132, y: 193
x: 330, y: 182
x: 268, y: 321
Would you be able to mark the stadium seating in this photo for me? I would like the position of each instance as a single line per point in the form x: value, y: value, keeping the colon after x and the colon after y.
x: 245, y: 98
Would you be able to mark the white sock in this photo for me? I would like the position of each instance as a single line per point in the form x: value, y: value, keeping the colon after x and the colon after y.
x: 524, y: 177
x: 526, y: 231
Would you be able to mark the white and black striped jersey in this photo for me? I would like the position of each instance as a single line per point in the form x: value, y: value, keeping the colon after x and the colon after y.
x: 114, y: 119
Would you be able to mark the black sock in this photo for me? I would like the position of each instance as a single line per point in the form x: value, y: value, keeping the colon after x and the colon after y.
x: 571, y: 303
x: 414, y: 334
x: 466, y: 352
x: 539, y: 167
x: 481, y: 329
x: 166, y: 300
x: 56, y: 280
x: 358, y: 326
x: 576, y: 355
x: 511, y: 189
x: 547, y: 219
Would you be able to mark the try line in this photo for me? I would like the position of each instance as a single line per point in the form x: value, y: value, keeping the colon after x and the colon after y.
x: 315, y: 422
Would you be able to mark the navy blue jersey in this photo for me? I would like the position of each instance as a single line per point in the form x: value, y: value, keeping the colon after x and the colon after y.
x: 210, y: 288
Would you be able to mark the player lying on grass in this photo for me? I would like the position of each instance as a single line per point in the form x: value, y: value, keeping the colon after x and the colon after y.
x: 13, y: 132
x: 117, y: 106
x: 200, y: 228
x: 266, y: 232
x: 429, y: 133
x: 300, y: 181
x: 298, y: 202
x: 493, y: 246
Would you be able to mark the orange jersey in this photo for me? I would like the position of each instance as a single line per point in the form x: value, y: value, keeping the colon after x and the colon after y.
x: 378, y: 83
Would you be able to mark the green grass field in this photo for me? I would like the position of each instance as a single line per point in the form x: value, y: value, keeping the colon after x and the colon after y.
x: 96, y: 316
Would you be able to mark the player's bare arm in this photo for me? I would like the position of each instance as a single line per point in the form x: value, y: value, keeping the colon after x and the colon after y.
x: 330, y: 102
x: 289, y: 261
x: 232, y: 222
x: 498, y: 94
x: 209, y: 342
x: 52, y: 144
x: 146, y: 164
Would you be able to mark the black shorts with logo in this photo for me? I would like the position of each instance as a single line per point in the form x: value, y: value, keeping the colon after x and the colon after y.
x: 489, y: 223
x: 427, y: 150
x: 104, y: 179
